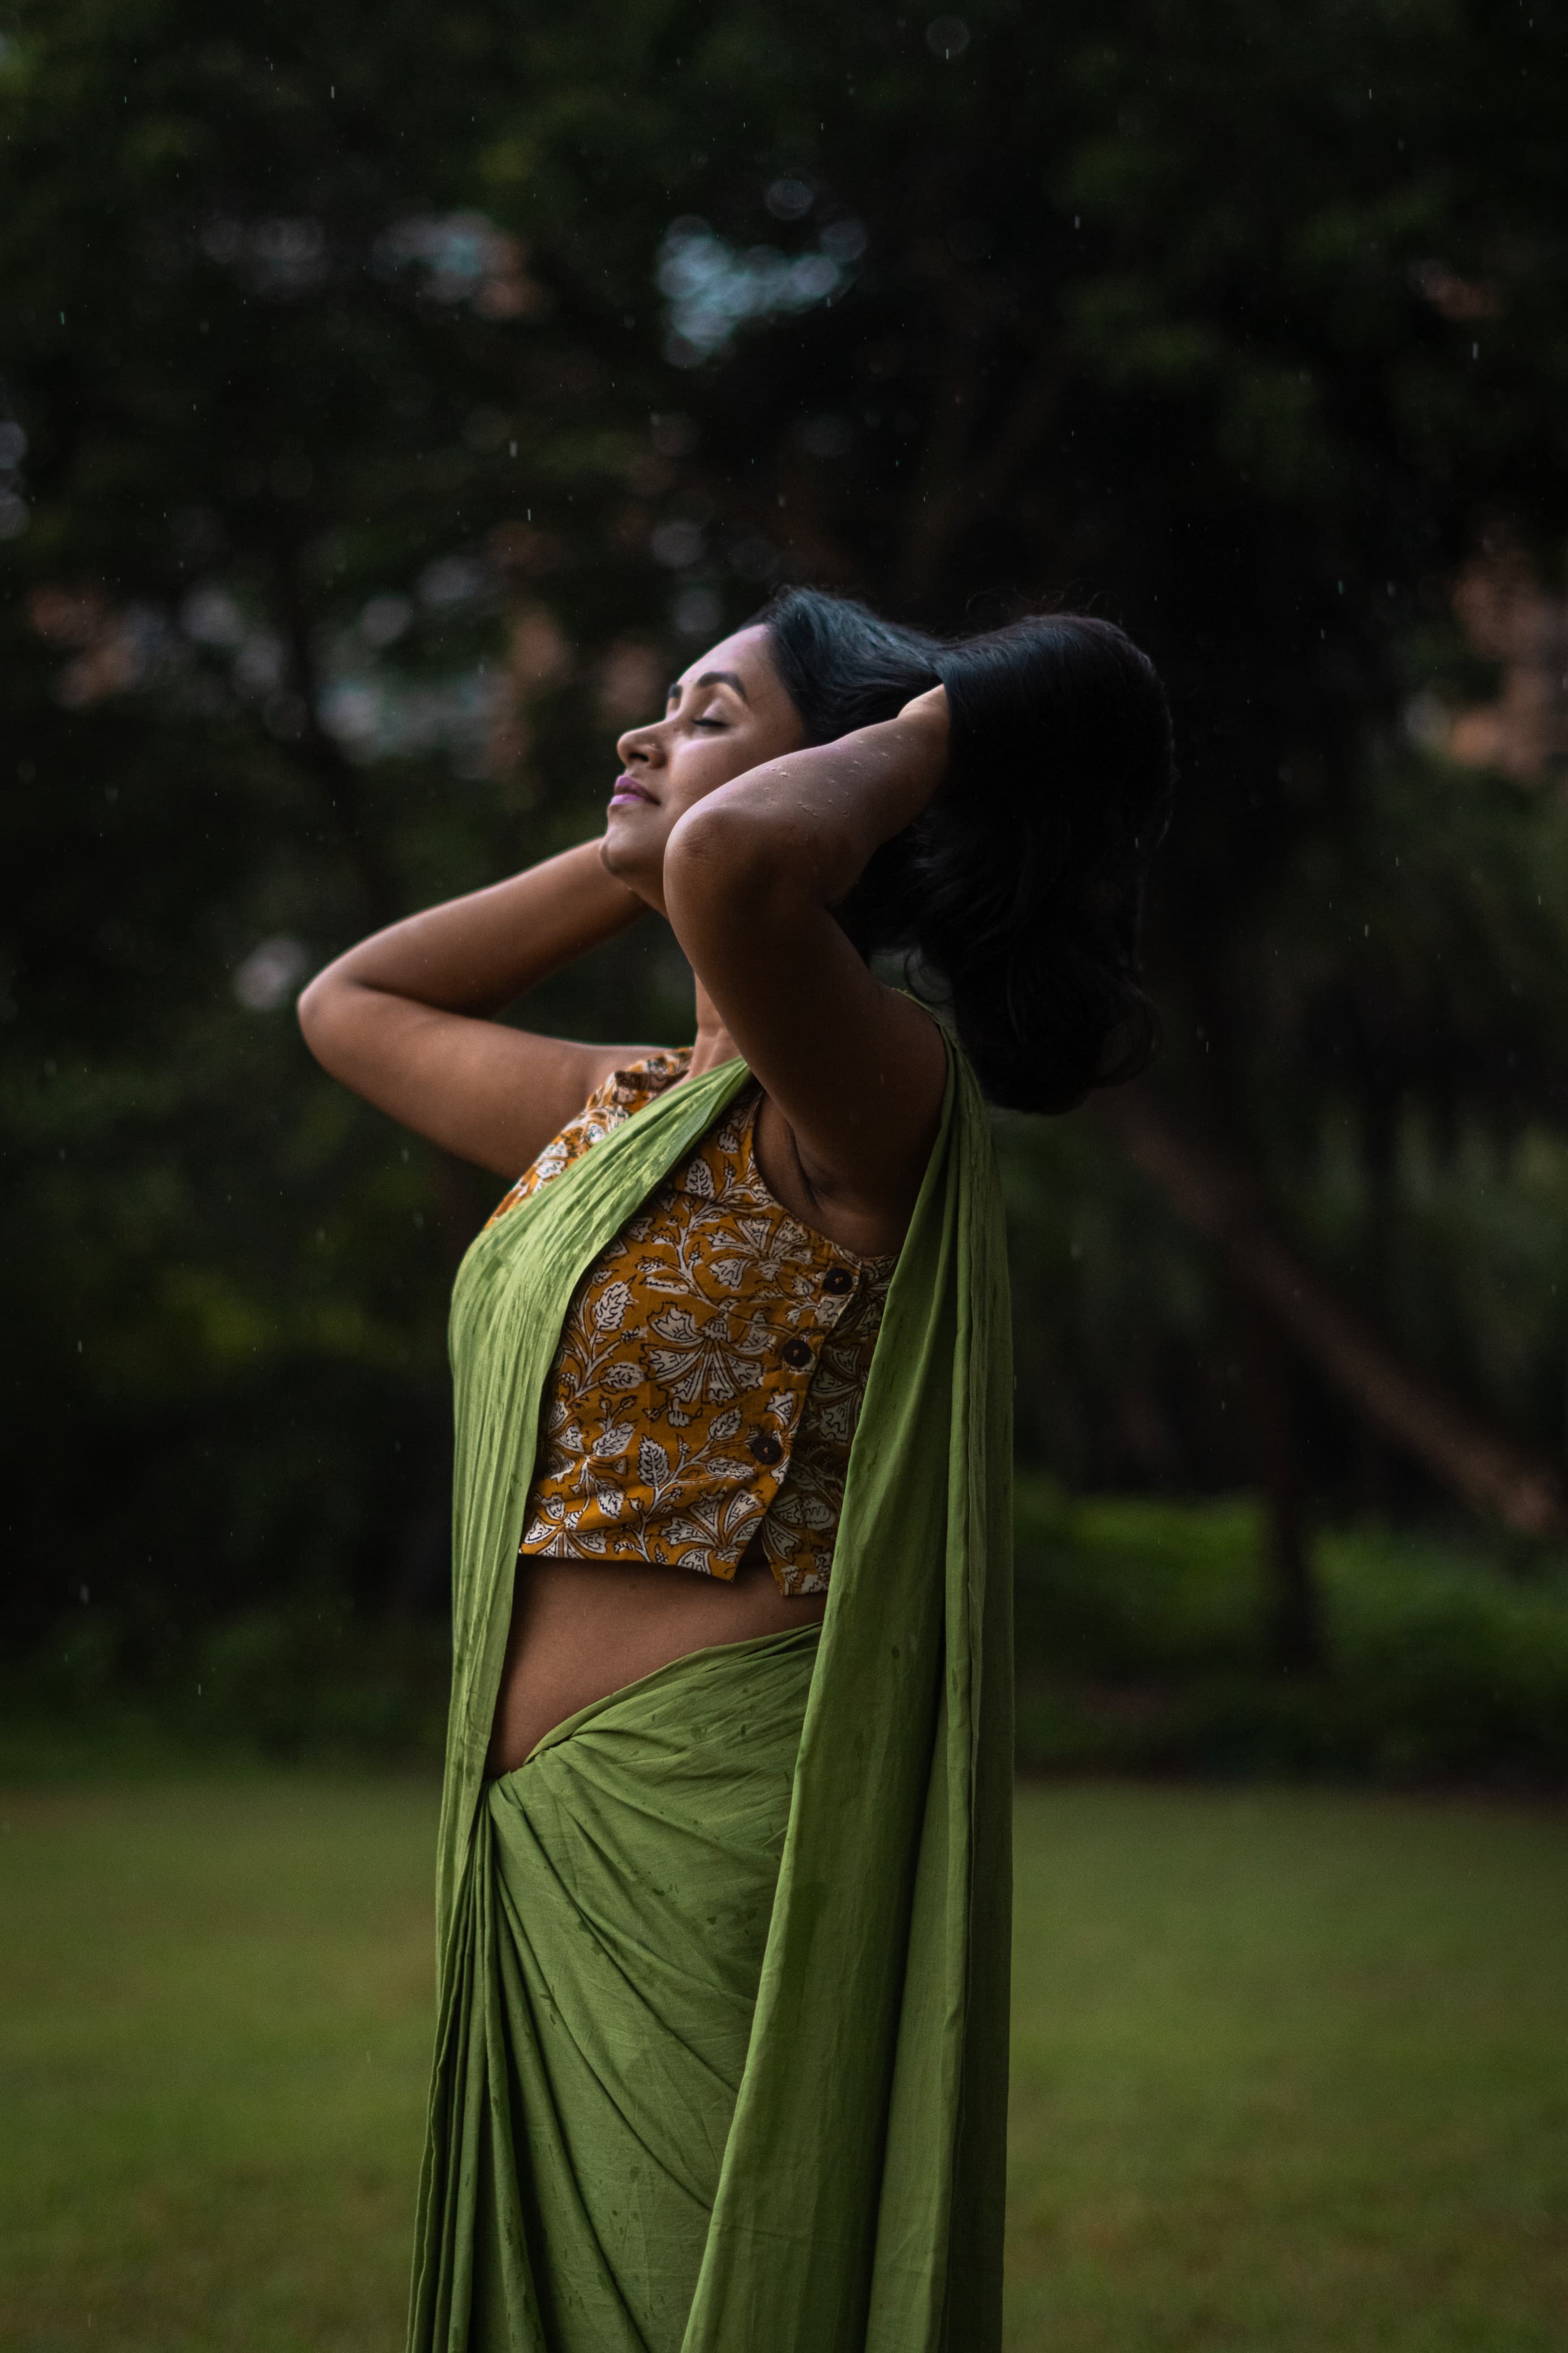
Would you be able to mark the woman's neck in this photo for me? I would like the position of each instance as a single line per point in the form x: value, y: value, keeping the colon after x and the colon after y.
x: 713, y: 1044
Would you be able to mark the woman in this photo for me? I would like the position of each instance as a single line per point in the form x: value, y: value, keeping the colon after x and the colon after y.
x: 723, y: 1900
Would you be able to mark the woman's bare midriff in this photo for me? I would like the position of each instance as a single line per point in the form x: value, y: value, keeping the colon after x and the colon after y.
x: 582, y: 1630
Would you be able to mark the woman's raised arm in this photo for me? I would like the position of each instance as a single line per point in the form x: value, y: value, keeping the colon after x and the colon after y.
x: 403, y: 1018
x: 856, y: 1070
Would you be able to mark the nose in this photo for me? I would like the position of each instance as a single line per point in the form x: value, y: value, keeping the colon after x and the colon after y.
x: 640, y: 747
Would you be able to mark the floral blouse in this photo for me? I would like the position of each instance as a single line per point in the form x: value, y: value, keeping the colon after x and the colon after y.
x: 712, y: 1366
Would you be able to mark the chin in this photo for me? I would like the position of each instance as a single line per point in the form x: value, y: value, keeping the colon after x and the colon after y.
x: 621, y: 860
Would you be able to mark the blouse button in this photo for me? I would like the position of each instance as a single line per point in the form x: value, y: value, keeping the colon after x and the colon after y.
x: 765, y: 1446
x: 838, y: 1279
x: 797, y: 1353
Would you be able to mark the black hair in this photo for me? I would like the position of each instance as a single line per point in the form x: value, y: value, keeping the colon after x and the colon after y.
x: 1017, y: 893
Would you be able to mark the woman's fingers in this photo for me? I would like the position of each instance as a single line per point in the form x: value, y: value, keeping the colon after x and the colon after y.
x: 930, y: 706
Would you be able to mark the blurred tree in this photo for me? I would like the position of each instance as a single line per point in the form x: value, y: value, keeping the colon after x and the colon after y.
x: 385, y: 406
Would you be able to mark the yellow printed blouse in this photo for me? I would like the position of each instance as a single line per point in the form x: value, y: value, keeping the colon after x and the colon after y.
x: 712, y: 1364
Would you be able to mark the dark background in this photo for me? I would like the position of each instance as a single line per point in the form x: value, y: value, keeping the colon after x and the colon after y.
x: 387, y: 407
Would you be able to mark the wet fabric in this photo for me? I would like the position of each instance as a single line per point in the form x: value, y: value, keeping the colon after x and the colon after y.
x: 857, y: 2206
x: 611, y: 1938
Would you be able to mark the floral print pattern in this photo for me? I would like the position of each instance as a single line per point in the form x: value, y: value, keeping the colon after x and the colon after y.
x: 708, y: 1383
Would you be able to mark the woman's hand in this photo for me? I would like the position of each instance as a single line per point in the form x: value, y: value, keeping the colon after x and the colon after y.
x: 930, y: 712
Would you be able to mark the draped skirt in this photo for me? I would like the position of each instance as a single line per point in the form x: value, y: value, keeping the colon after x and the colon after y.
x: 608, y: 1943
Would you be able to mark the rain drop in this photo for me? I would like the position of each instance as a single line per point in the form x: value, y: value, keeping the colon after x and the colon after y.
x: 947, y: 36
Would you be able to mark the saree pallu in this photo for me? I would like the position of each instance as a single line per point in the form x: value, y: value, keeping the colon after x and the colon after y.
x: 837, y: 2182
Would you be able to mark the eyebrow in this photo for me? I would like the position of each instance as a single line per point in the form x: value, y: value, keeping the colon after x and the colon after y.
x: 711, y: 678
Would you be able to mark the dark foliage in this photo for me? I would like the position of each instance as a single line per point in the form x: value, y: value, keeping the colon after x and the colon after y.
x: 384, y: 401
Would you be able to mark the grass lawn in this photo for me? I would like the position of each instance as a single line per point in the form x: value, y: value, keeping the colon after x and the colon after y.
x: 214, y: 2020
x: 1291, y: 2070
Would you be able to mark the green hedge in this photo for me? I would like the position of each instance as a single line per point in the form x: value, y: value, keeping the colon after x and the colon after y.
x: 303, y: 1682
x: 1140, y: 1648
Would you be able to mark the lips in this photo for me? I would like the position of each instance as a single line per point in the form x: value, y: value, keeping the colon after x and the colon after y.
x: 627, y: 790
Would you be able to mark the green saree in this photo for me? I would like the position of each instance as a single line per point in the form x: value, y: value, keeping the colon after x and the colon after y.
x: 722, y: 2052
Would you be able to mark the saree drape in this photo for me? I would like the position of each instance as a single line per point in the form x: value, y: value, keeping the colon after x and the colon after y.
x: 846, y: 2184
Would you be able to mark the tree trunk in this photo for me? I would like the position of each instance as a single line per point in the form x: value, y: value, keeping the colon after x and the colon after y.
x: 1295, y: 1618
x: 1487, y: 1469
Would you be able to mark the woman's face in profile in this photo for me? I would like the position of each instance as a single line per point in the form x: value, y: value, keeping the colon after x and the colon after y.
x: 727, y: 712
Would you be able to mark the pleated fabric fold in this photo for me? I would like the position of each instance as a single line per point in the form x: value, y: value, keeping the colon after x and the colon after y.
x: 721, y: 2055
x: 611, y: 1933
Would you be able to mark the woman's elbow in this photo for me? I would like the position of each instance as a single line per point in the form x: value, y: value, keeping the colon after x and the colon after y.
x: 742, y: 855
x: 319, y: 1010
